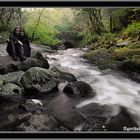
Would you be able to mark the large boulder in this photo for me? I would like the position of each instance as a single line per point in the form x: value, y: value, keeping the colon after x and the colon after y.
x: 9, y: 65
x: 64, y: 76
x: 96, y: 116
x: 79, y: 89
x: 12, y: 77
x: 39, y: 80
x: 124, y: 119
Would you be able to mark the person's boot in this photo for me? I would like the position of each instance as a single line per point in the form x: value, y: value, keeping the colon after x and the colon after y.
x: 22, y: 59
x: 15, y: 58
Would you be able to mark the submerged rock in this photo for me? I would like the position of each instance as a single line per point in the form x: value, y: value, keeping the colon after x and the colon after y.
x: 79, y: 89
x: 106, y: 118
x: 124, y: 119
x: 96, y: 116
x: 64, y: 76
x: 39, y: 80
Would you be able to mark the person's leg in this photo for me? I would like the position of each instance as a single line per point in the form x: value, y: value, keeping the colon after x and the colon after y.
x: 21, y: 53
x: 13, y: 49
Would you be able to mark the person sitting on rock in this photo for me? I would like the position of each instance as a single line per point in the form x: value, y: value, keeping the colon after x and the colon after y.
x: 26, y: 44
x: 15, y: 46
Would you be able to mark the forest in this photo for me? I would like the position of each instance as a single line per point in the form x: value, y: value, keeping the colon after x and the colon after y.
x: 83, y: 73
x: 96, y: 28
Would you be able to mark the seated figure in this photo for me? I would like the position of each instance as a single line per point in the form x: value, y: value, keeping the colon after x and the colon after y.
x: 18, y: 45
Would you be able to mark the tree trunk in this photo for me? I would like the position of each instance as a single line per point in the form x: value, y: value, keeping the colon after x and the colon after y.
x: 20, y: 17
x: 38, y: 20
x: 111, y: 25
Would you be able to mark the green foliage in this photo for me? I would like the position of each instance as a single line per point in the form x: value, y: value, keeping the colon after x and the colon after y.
x: 44, y: 33
x: 107, y: 40
x: 132, y: 30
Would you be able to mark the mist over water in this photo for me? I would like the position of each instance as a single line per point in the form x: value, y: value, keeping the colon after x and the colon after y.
x: 111, y: 87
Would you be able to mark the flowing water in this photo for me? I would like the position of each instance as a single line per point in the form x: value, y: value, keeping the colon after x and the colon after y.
x: 111, y: 87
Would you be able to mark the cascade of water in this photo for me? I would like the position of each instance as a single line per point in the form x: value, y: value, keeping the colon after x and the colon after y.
x: 111, y: 88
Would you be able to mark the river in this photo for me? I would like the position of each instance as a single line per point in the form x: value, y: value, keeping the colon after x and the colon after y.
x: 111, y: 87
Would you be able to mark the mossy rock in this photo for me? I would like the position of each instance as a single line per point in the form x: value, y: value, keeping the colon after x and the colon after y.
x: 10, y: 89
x: 131, y: 65
x: 125, y: 53
x: 1, y: 83
x: 12, y: 77
x: 39, y: 80
x: 100, y: 57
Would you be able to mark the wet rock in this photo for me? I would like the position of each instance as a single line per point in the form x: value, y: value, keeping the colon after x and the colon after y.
x: 12, y: 77
x: 6, y: 68
x: 41, y: 48
x: 123, y: 119
x: 31, y: 105
x: 106, y: 118
x: 79, y: 89
x: 63, y: 109
x: 39, y: 121
x: 9, y: 121
x: 39, y: 80
x: 96, y: 116
x: 11, y: 92
x: 64, y: 76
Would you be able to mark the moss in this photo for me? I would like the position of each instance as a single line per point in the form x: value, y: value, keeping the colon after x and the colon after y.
x: 131, y: 65
x: 125, y: 53
x: 10, y: 89
x: 1, y: 83
x: 100, y: 57
x: 134, y: 45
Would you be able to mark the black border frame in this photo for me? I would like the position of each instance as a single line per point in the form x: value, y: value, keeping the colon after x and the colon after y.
x: 69, y: 135
x: 74, y: 4
x: 66, y: 3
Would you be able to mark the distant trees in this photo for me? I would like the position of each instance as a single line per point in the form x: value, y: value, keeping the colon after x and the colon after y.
x: 9, y: 17
x: 44, y: 24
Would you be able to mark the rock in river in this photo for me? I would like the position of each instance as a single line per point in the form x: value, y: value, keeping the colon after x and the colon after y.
x: 39, y: 80
x: 64, y: 76
x: 10, y: 92
x: 79, y: 89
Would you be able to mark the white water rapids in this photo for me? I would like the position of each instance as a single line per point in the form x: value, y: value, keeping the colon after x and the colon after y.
x: 111, y: 87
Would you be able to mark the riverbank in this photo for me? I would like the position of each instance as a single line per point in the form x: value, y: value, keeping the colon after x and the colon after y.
x: 122, y: 55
